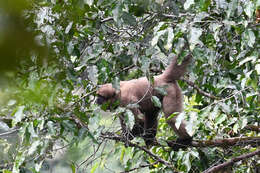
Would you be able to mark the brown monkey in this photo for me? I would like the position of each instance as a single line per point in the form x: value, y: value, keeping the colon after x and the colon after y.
x: 257, y: 15
x: 139, y: 91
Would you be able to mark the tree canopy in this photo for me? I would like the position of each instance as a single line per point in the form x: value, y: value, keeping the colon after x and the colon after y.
x: 55, y: 53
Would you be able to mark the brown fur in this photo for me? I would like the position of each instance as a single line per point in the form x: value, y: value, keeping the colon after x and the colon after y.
x: 140, y: 91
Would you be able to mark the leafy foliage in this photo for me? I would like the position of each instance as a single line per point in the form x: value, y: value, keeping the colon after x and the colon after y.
x: 54, y: 54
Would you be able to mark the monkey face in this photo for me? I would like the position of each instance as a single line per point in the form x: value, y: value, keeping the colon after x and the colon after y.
x: 107, y: 103
x: 107, y: 97
x: 100, y: 100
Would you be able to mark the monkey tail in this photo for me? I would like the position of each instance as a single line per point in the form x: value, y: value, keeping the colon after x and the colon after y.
x: 175, y: 71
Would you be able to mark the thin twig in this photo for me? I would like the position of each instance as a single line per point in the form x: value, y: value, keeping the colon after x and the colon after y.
x: 94, y: 152
x: 131, y: 144
x: 226, y: 98
x: 107, y: 19
x: 140, y: 167
x: 200, y: 91
x: 125, y: 69
x: 11, y: 132
x: 253, y: 128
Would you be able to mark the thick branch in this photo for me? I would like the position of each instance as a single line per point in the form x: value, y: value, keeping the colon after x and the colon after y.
x: 232, y: 162
x: 253, y: 128
x: 228, y: 142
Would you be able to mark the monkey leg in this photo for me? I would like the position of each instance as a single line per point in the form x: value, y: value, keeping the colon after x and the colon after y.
x: 150, y: 126
x: 138, y: 128
x: 173, y: 103
x: 180, y: 143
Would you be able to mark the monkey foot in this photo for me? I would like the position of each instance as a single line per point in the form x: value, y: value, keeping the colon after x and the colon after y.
x: 151, y: 142
x: 180, y: 143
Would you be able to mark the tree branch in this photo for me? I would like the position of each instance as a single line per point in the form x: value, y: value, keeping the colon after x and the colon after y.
x: 227, y: 142
x: 124, y: 69
x: 141, y: 166
x: 253, y: 128
x: 8, y: 133
x: 231, y: 162
x: 200, y: 91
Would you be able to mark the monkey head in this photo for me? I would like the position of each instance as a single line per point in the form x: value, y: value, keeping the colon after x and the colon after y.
x: 107, y: 96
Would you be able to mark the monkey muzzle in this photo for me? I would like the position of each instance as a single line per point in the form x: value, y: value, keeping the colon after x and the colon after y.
x: 100, y: 100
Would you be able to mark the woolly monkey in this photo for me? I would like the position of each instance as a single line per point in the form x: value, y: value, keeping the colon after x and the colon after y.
x: 140, y: 91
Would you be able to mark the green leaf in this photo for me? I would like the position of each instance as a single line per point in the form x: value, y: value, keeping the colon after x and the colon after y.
x: 192, y: 123
x: 188, y: 3
x: 117, y: 12
x: 93, y: 169
x: 249, y: 10
x: 251, y: 38
x: 129, y: 19
x: 116, y: 83
x: 38, y: 166
x: 89, y: 2
x: 33, y: 147
x: 244, y: 123
x: 138, y: 10
x: 73, y: 167
x: 247, y: 59
x: 4, y: 126
x: 67, y: 30
x: 195, y: 154
x: 170, y: 39
x: 236, y: 127
x: 179, y: 120
x: 257, y: 68
x: 172, y: 116
x: 6, y: 171
x: 186, y: 161
x: 18, y: 116
x: 145, y: 64
x: 194, y: 36
x: 93, y: 74
x: 204, y: 4
x: 221, y: 118
x: 70, y: 47
x: 161, y: 90
x: 51, y: 127
x: 215, y: 27
x: 156, y: 101
x: 122, y: 154
x: 213, y: 114
x: 157, y: 36
x: 31, y: 130
x: 19, y: 159
x: 129, y: 118
x: 231, y: 8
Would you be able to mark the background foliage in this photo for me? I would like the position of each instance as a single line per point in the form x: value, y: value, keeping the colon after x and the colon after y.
x: 54, y: 53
